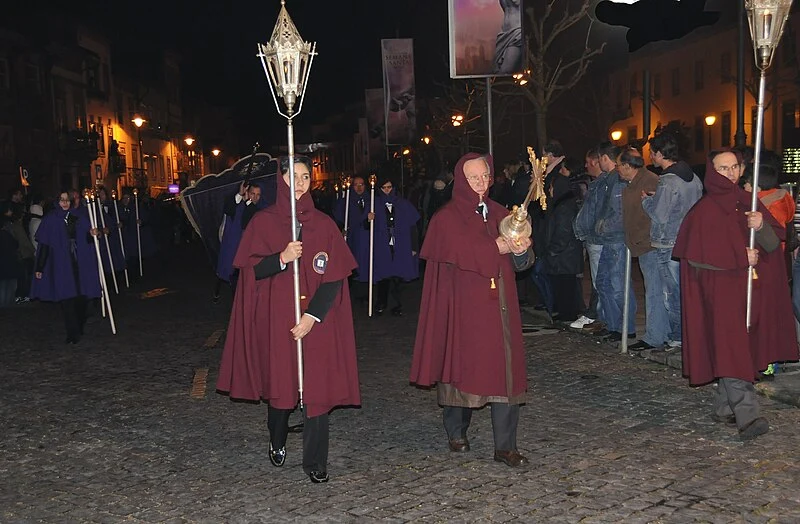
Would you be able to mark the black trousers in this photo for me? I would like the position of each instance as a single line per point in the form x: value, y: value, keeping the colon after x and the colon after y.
x: 505, y: 418
x: 567, y: 296
x: 315, y: 437
x: 393, y: 285
x: 74, y: 310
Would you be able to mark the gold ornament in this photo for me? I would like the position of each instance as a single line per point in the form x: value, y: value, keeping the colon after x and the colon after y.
x: 517, y: 224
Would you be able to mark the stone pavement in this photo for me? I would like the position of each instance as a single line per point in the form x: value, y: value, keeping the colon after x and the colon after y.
x: 121, y: 429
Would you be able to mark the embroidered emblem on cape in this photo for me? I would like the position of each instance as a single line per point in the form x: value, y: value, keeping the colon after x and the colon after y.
x: 320, y: 262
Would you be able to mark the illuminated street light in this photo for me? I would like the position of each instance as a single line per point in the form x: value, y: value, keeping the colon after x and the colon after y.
x: 711, y: 120
x: 189, y: 141
x: 457, y: 120
x: 426, y: 139
x: 406, y: 151
x: 138, y: 121
x: 616, y: 135
x: 215, y: 152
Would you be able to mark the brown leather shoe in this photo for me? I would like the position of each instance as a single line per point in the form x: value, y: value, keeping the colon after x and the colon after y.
x: 459, y: 445
x: 511, y: 458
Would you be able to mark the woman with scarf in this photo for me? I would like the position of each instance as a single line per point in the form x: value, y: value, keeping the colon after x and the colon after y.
x: 65, y: 270
x: 395, y: 246
x: 259, y: 361
x: 713, y: 248
x: 469, y: 335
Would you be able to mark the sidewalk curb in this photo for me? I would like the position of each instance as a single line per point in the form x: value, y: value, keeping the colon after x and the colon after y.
x: 785, y: 388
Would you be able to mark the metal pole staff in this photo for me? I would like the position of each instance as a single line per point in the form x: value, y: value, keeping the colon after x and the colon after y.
x: 295, y: 262
x: 751, y: 272
x: 121, y: 242
x: 108, y: 246
x: 489, y: 114
x: 106, y: 300
x: 346, y: 208
x: 138, y: 229
x: 371, y: 238
x: 626, y: 301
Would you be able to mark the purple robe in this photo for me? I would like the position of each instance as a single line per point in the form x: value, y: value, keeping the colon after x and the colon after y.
x: 59, y: 280
x: 392, y: 256
x: 128, y: 218
x: 357, y: 229
x: 231, y: 237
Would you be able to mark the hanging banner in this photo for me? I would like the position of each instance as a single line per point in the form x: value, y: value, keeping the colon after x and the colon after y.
x: 375, y: 124
x: 398, y: 90
x: 485, y: 38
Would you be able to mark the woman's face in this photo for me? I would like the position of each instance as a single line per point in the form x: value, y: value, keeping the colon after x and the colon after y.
x: 64, y: 201
x: 302, y: 179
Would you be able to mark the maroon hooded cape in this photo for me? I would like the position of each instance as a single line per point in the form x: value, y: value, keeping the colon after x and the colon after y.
x: 714, y: 302
x: 259, y: 361
x: 469, y: 335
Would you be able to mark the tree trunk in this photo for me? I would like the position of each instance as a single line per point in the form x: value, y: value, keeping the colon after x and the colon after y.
x: 541, y: 129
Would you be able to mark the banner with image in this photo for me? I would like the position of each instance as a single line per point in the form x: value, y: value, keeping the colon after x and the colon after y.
x: 375, y: 124
x: 398, y: 90
x: 485, y: 38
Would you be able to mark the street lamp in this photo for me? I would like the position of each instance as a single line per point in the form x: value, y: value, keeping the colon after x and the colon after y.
x: 426, y: 140
x: 189, y: 141
x: 710, y: 121
x: 287, y: 59
x: 189, y: 154
x: 616, y: 135
x: 767, y: 19
x: 138, y: 121
x: 215, y: 152
x: 457, y: 120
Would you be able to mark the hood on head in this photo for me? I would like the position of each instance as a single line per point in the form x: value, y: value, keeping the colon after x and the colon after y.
x: 462, y: 193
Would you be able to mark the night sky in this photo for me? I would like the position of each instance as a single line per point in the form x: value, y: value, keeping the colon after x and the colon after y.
x: 217, y: 41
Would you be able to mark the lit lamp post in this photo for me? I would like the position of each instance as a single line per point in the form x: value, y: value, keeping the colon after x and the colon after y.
x: 767, y: 19
x: 287, y: 59
x: 710, y: 121
x: 616, y: 135
x: 189, y: 141
x: 215, y: 153
x: 139, y: 122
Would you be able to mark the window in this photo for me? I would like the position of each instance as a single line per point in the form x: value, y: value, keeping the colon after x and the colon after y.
x: 633, y: 87
x: 788, y: 122
x: 676, y: 81
x: 725, y: 129
x: 120, y: 109
x: 699, y: 73
x: 97, y: 127
x: 725, y: 68
x: 633, y: 133
x: 657, y: 86
x: 93, y: 76
x: 105, y: 86
x: 5, y: 82
x: 699, y: 133
x: 79, y: 111
x: 32, y: 78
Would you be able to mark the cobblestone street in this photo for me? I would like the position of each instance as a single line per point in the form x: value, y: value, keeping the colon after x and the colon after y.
x: 120, y: 428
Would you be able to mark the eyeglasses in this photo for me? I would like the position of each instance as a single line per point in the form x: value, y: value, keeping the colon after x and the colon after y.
x: 725, y: 169
x: 388, y: 186
x: 485, y: 178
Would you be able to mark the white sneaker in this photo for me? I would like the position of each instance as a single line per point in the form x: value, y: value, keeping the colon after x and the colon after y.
x: 582, y: 321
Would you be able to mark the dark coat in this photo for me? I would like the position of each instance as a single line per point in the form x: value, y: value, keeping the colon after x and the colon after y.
x: 564, y: 254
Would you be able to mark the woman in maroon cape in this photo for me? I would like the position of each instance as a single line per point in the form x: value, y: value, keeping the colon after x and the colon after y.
x: 712, y: 245
x: 259, y: 361
x: 469, y: 336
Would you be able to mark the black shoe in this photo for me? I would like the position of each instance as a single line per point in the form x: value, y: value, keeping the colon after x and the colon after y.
x: 318, y: 477
x: 726, y: 419
x: 540, y: 307
x: 397, y: 311
x: 613, y: 336
x: 755, y: 428
x: 602, y: 333
x: 640, y: 346
x: 277, y: 457
x: 297, y: 428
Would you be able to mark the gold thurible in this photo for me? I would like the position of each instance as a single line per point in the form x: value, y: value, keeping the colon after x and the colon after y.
x: 517, y: 224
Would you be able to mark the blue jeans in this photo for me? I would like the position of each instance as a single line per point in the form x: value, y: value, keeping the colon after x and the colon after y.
x: 594, y: 251
x: 611, y: 288
x: 657, y: 326
x: 542, y: 282
x: 671, y: 280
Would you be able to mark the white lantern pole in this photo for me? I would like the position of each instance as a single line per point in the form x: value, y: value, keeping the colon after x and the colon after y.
x: 105, y: 298
x: 138, y: 229
x: 371, y: 238
x: 287, y: 59
x: 346, y: 208
x: 121, y: 242
x: 767, y: 19
x: 108, y: 246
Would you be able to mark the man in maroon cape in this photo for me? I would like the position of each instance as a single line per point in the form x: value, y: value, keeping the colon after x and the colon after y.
x: 469, y: 336
x: 713, y: 247
x: 259, y: 361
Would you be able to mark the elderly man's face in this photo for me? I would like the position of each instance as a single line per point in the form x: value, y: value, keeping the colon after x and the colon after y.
x: 477, y: 173
x: 359, y: 186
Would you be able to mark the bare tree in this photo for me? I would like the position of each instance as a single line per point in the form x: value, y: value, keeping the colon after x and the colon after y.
x: 559, y: 54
